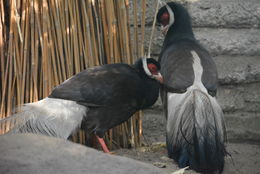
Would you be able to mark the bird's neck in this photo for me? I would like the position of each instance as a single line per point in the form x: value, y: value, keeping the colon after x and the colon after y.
x: 148, y: 89
x: 180, y: 30
x: 150, y: 93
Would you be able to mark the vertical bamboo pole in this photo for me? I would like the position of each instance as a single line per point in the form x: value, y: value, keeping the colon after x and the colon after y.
x: 143, y: 28
x: 2, y: 57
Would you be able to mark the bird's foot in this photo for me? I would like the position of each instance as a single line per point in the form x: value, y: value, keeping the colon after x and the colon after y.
x: 103, y: 145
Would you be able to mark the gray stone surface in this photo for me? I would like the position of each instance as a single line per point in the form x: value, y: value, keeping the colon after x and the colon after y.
x: 243, y: 126
x: 154, y: 126
x: 238, y: 69
x: 218, y: 41
x: 34, y: 154
x: 231, y: 98
x: 225, y: 13
x: 213, y: 13
x: 229, y: 41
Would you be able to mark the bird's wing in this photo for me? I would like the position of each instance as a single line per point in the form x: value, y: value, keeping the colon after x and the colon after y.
x: 210, y: 73
x: 176, y: 69
x: 100, y: 86
x: 176, y: 62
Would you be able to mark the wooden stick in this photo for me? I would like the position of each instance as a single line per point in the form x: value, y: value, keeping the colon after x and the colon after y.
x: 143, y: 27
x: 151, y: 37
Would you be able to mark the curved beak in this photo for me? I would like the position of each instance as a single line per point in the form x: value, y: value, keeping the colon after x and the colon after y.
x: 164, y: 29
x: 158, y: 77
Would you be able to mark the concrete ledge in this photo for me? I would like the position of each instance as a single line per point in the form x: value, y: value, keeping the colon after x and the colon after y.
x: 243, y: 126
x: 225, y: 13
x: 239, y: 98
x: 230, y: 41
x: 238, y: 69
x: 34, y: 154
x: 217, y: 41
x: 212, y: 13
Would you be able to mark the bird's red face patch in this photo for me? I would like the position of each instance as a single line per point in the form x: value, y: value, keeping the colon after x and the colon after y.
x: 165, y: 18
x: 153, y: 68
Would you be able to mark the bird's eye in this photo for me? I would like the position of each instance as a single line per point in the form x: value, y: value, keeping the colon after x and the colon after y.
x: 165, y: 18
x: 152, y: 68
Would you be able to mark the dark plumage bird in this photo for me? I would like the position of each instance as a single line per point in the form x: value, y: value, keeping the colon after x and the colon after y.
x: 195, y: 126
x: 97, y: 99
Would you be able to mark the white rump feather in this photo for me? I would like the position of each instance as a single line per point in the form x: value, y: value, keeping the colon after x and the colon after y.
x: 49, y: 116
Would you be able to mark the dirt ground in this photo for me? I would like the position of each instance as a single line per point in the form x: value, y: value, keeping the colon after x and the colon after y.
x: 245, y: 157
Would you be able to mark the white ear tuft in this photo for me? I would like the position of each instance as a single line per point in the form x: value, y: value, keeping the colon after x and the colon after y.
x: 171, y: 21
x: 145, y: 66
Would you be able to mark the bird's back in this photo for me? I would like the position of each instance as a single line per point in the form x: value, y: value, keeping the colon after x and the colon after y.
x: 102, y: 85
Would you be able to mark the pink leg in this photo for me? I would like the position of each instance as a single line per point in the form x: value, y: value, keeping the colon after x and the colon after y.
x: 103, y: 144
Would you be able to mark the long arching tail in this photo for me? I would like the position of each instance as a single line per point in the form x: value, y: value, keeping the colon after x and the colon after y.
x: 196, y: 131
x: 53, y: 117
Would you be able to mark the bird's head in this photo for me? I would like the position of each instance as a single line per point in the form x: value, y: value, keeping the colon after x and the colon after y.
x: 150, y: 67
x: 165, y: 17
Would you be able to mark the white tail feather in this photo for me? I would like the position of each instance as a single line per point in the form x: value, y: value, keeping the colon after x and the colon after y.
x: 206, y: 108
x: 53, y: 117
x: 195, y: 126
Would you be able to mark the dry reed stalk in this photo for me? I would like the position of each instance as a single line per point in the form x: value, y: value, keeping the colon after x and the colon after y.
x: 136, y: 43
x: 2, y: 46
x: 57, y: 45
x: 93, y: 35
x: 141, y: 54
x: 153, y: 27
x: 104, y: 28
x: 143, y: 27
x: 127, y: 36
x: 2, y: 40
x: 98, y: 34
x: 135, y: 118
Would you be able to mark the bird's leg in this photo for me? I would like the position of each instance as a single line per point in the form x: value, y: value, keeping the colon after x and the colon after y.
x: 103, y: 144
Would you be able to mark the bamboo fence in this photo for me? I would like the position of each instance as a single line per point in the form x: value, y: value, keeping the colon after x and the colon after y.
x: 44, y: 42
